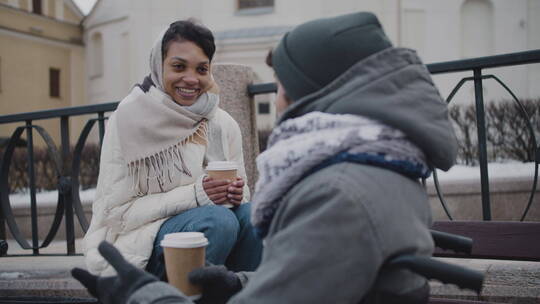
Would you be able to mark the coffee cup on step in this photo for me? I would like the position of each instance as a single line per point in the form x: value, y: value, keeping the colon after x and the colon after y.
x: 223, y: 170
x: 184, y: 252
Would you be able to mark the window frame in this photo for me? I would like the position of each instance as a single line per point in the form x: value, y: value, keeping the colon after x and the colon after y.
x: 263, y: 108
x: 255, y: 10
x: 35, y: 7
x: 54, y: 86
x: 96, y: 55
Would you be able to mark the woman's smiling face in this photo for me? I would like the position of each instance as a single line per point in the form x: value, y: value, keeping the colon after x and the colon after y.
x: 186, y: 72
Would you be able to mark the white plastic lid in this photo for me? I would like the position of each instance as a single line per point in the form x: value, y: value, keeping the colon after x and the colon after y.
x: 184, y: 240
x: 222, y: 166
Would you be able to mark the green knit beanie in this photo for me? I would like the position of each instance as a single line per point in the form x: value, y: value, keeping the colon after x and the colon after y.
x: 315, y: 53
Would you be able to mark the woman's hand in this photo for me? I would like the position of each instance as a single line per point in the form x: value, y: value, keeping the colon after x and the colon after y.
x: 216, y: 190
x: 236, y: 191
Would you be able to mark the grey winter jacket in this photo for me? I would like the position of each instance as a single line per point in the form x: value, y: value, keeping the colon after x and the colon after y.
x: 337, y: 227
x: 327, y: 244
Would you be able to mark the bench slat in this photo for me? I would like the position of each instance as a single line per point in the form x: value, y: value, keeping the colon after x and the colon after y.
x: 448, y: 301
x: 495, y: 239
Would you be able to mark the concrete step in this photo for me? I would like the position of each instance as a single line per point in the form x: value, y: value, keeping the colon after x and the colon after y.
x: 505, y: 281
x: 46, y: 211
x: 41, y: 276
x: 516, y: 282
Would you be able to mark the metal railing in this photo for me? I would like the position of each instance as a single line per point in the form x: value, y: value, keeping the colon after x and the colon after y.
x: 476, y: 66
x: 66, y: 165
x: 67, y: 162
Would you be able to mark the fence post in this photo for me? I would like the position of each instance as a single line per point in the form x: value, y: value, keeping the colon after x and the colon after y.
x: 482, y: 143
x: 101, y: 117
x: 3, y: 234
x: 32, y: 185
x: 65, y: 185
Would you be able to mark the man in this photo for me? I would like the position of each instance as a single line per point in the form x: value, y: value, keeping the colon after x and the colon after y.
x: 339, y: 193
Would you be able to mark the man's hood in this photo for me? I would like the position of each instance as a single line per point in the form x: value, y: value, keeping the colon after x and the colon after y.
x: 394, y: 87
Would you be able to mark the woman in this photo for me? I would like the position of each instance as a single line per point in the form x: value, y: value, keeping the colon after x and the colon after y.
x: 151, y: 179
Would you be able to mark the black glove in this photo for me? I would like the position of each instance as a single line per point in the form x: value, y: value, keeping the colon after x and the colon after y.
x: 218, y: 284
x: 114, y: 289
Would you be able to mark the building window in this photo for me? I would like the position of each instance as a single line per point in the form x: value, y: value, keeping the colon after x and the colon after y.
x: 14, y: 3
x: 254, y: 5
x: 413, y: 30
x: 96, y: 55
x: 36, y: 7
x: 58, y: 9
x: 264, y: 108
x: 477, y: 28
x: 54, y: 82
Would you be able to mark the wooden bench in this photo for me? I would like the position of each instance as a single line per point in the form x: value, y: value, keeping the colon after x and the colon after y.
x: 513, y: 242
x: 495, y: 240
x: 449, y: 301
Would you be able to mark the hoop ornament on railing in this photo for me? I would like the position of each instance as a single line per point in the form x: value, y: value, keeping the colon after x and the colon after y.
x: 533, y: 136
x: 4, y: 187
x: 529, y: 127
x: 75, y: 169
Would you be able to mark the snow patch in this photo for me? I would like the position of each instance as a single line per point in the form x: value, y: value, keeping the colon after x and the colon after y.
x: 11, y: 275
x: 456, y: 173
x: 48, y: 198
x: 495, y: 171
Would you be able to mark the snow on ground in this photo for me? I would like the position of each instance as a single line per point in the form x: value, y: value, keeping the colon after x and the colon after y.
x: 457, y: 173
x: 11, y: 275
x: 47, y: 198
x: 495, y: 170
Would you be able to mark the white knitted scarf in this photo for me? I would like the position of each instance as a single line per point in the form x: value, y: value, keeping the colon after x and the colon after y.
x: 299, y: 145
x: 153, y: 130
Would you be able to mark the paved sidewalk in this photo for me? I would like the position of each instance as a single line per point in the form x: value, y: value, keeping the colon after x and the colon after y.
x: 506, y: 281
x: 41, y: 275
x: 516, y: 282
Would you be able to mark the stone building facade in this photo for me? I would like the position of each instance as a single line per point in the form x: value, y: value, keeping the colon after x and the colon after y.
x: 42, y: 58
x: 120, y: 33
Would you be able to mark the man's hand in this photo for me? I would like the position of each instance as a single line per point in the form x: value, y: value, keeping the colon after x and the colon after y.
x: 218, y: 284
x: 236, y: 192
x: 114, y: 289
x: 216, y: 190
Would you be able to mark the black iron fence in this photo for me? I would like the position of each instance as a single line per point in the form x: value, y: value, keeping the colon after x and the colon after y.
x: 67, y: 162
x: 476, y: 66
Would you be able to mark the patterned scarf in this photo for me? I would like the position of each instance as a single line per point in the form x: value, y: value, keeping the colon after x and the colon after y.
x: 302, y: 145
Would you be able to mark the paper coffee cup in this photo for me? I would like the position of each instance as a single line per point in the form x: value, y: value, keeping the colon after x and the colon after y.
x: 184, y: 252
x: 223, y: 170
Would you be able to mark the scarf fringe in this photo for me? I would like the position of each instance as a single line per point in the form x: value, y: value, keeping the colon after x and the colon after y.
x: 162, y: 166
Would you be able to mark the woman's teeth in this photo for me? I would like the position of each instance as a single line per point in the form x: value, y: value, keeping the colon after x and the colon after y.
x: 187, y: 91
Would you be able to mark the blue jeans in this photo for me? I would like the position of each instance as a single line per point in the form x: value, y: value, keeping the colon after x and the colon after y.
x: 232, y: 241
